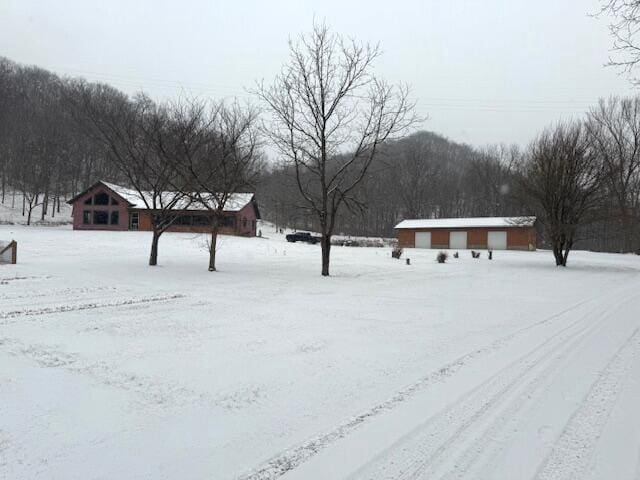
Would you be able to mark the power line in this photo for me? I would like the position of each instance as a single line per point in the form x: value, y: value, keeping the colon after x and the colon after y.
x: 488, y: 105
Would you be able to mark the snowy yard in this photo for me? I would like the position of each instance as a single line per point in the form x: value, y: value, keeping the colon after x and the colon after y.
x: 503, y: 369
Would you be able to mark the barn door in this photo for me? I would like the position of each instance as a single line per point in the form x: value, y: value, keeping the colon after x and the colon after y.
x: 497, y: 240
x: 458, y: 240
x: 423, y: 240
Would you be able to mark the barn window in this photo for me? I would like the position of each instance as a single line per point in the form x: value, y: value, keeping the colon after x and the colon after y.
x: 115, y: 217
x: 101, y: 199
x: 100, y: 217
x: 86, y: 217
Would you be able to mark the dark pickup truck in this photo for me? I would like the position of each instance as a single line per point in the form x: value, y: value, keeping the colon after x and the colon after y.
x: 302, y: 237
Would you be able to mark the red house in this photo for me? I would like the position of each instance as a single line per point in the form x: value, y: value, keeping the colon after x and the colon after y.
x: 105, y: 206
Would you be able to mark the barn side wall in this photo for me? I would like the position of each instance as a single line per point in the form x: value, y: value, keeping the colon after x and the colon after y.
x: 518, y: 238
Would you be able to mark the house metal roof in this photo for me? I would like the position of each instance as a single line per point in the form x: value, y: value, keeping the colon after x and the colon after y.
x: 235, y: 202
x: 474, y: 222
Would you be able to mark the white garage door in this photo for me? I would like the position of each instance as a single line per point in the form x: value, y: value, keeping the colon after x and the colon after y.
x: 457, y: 239
x: 497, y: 240
x: 423, y: 240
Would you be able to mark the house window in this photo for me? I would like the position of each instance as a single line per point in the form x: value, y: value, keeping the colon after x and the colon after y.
x: 227, y: 221
x: 100, y: 217
x: 86, y: 217
x: 115, y: 217
x: 202, y: 220
x: 134, y: 219
x: 101, y: 199
x: 114, y: 201
x: 88, y: 201
x: 183, y: 220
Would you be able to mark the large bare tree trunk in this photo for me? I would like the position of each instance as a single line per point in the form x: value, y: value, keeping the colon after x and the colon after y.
x: 567, y: 248
x: 153, y: 258
x: 325, y: 244
x: 212, y: 249
x: 561, y: 249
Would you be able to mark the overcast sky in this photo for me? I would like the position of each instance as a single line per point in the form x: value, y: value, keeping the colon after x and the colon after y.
x: 484, y: 71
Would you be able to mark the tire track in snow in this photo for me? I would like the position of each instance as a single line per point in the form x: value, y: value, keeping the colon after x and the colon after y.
x: 573, y: 450
x: 490, y: 443
x: 151, y: 393
x: 55, y: 292
x: 29, y: 312
x: 292, y: 458
x: 8, y: 280
x: 422, y: 451
x: 490, y: 440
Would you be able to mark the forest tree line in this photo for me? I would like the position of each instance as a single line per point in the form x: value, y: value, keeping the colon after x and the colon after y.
x: 48, y: 153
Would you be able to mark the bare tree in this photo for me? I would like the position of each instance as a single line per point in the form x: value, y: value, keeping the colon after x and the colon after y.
x: 624, y: 28
x: 560, y: 181
x: 614, y: 126
x: 215, y: 152
x: 330, y: 115
x: 130, y: 132
x: 6, y: 77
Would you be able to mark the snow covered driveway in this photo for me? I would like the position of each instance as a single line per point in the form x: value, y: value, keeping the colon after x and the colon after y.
x: 472, y: 369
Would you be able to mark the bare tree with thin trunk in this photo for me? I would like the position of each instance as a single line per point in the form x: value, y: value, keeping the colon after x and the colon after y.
x: 129, y: 131
x: 614, y: 127
x: 560, y: 182
x: 215, y: 152
x: 329, y: 117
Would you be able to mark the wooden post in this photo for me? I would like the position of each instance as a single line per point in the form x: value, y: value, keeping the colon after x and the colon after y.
x: 13, y: 245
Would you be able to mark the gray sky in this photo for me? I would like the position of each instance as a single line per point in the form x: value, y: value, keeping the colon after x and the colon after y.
x: 483, y: 71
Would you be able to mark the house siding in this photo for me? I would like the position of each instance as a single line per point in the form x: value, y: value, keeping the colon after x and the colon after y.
x: 244, y: 223
x: 78, y: 208
x: 145, y: 223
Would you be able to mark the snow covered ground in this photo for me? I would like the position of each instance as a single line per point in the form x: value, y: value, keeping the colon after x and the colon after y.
x: 473, y: 369
x: 11, y: 212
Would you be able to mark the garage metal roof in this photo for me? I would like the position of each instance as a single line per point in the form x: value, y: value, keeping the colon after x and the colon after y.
x: 474, y: 222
